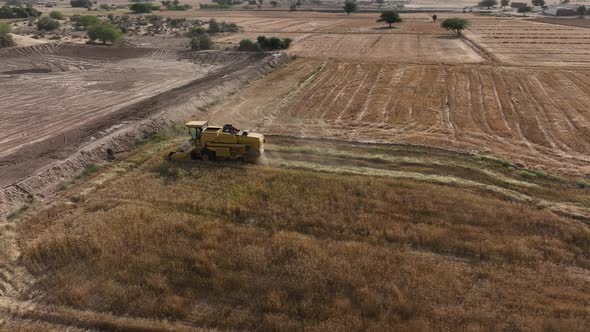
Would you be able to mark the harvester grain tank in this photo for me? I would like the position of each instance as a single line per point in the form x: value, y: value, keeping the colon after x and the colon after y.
x: 215, y: 142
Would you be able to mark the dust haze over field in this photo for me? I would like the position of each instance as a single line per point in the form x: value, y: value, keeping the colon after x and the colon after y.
x: 411, y: 180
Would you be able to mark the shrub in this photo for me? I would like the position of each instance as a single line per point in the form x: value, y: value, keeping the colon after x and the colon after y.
x: 105, y: 32
x: 201, y: 42
x: 273, y: 43
x: 287, y: 42
x: 47, y: 23
x: 18, y: 12
x: 5, y: 37
x: 143, y: 7
x: 229, y: 27
x: 195, y: 31
x: 175, y: 5
x: 214, y: 6
x: 85, y: 21
x: 214, y: 27
x: 488, y: 3
x: 81, y: 3
x: 121, y: 22
x: 525, y: 9
x: 248, y: 45
x: 57, y: 15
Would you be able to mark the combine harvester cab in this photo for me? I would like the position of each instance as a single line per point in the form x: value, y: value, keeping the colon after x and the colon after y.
x: 215, y: 143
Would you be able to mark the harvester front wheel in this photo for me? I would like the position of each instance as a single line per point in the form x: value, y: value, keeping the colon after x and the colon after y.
x: 207, y: 155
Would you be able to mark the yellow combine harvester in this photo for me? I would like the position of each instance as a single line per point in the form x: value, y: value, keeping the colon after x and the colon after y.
x: 213, y: 142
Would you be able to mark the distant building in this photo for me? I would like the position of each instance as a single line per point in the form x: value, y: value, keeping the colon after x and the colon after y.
x: 561, y: 10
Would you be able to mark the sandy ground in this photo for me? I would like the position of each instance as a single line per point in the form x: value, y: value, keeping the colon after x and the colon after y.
x: 26, y: 41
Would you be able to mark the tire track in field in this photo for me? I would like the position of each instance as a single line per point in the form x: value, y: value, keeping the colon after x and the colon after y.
x: 394, y: 83
x: 447, y: 101
x: 315, y: 91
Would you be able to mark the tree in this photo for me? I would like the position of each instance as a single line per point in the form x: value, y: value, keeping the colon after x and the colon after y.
x: 455, y: 24
x: 105, y: 32
x: 488, y: 3
x: 57, y: 15
x: 261, y: 2
x: 581, y: 10
x: 540, y: 3
x: 390, y: 17
x: 380, y: 2
x: 504, y: 3
x: 5, y: 37
x: 349, y: 7
x: 565, y: 1
x: 274, y: 3
x: 47, y: 23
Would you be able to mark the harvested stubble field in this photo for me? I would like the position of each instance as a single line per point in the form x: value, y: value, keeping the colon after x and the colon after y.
x: 417, y: 40
x: 254, y: 247
x: 572, y: 22
x: 524, y: 42
x: 532, y: 116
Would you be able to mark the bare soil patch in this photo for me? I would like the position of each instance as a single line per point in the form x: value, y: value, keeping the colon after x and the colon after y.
x: 58, y: 99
